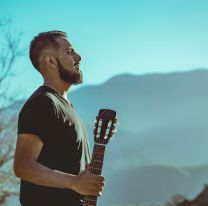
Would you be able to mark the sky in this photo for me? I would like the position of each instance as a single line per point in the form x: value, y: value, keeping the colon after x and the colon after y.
x: 115, y: 36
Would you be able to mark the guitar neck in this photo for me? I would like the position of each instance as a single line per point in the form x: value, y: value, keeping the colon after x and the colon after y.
x: 95, y: 168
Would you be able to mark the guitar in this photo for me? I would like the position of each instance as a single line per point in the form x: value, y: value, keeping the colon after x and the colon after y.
x: 104, y: 131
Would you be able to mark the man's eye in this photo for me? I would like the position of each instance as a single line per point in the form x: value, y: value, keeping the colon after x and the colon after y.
x: 70, y: 51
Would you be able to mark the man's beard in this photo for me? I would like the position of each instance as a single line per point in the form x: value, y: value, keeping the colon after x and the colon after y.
x: 69, y: 76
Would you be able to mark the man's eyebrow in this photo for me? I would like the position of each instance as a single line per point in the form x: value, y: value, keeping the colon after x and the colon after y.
x: 69, y: 47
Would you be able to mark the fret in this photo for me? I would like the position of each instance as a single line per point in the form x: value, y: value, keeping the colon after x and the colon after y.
x: 97, y: 164
x: 96, y: 171
x: 99, y: 146
x: 90, y: 200
x: 87, y: 204
x: 93, y: 168
x: 97, y: 156
x: 90, y: 197
x: 96, y: 161
x: 99, y: 152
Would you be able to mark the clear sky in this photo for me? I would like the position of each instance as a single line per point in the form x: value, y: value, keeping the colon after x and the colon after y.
x: 117, y: 36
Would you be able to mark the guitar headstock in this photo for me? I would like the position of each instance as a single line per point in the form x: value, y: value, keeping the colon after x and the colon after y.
x: 105, y: 126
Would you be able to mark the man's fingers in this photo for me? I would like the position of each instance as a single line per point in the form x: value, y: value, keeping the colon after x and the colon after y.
x: 95, y: 193
x: 98, y: 184
x: 99, y: 178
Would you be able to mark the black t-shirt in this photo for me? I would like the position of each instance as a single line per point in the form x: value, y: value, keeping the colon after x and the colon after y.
x: 65, y: 145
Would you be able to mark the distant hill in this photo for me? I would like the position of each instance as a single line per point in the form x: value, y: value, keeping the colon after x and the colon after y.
x: 153, y: 183
x: 145, y: 101
x: 164, y: 116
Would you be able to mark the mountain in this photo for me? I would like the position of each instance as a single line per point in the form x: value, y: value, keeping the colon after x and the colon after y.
x: 164, y: 116
x: 145, y: 101
x: 153, y: 183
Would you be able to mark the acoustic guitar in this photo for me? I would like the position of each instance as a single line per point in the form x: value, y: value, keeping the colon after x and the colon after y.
x: 104, y: 131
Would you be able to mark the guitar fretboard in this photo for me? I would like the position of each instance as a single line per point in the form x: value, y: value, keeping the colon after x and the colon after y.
x: 95, y: 168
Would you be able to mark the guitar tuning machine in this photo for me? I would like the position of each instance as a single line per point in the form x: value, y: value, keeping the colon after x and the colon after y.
x: 114, y: 130
x: 105, y: 137
x: 112, y: 136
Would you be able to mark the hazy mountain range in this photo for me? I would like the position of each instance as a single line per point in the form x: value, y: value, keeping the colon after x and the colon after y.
x: 163, y: 117
x: 153, y: 183
x: 162, y: 137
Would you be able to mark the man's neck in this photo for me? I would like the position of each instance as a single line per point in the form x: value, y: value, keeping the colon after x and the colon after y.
x: 61, y: 89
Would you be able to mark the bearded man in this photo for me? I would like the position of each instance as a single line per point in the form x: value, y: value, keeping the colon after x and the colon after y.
x: 52, y: 152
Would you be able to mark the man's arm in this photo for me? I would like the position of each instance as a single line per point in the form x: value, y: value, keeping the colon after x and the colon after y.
x: 27, y: 168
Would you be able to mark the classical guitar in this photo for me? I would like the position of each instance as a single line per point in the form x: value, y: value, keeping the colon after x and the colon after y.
x: 104, y: 131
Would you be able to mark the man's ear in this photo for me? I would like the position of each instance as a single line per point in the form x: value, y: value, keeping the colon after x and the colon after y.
x: 50, y: 61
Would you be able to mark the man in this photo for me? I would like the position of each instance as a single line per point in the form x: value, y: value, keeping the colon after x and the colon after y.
x: 52, y: 147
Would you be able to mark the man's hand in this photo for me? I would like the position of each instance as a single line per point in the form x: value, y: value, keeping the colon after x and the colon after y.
x: 27, y: 168
x: 89, y: 184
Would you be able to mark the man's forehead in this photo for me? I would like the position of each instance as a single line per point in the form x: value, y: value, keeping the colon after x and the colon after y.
x: 64, y: 43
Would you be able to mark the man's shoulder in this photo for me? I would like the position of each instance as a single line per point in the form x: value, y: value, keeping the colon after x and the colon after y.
x: 40, y: 98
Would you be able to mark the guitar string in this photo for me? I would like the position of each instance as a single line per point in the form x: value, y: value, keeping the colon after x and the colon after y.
x: 87, y: 197
x: 91, y: 198
x: 100, y: 150
x: 96, y: 157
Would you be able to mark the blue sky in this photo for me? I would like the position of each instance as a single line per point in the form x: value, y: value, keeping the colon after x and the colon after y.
x: 115, y: 36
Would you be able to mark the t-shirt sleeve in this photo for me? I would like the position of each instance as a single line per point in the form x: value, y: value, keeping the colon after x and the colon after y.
x: 36, y: 117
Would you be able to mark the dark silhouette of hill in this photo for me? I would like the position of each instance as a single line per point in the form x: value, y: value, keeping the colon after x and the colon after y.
x: 153, y: 183
x: 180, y: 200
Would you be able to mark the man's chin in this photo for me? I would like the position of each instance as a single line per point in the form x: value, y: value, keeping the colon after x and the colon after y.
x: 75, y: 81
x: 80, y: 79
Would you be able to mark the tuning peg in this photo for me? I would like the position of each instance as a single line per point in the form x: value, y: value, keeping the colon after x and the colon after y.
x: 105, y: 137
x: 112, y: 136
x: 116, y: 122
x: 114, y: 130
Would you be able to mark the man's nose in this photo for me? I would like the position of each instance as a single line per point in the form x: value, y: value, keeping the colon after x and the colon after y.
x: 77, y: 57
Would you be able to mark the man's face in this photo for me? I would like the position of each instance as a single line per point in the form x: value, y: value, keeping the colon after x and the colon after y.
x: 68, y: 63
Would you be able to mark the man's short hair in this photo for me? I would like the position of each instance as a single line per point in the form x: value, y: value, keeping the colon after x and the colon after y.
x: 42, y: 41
